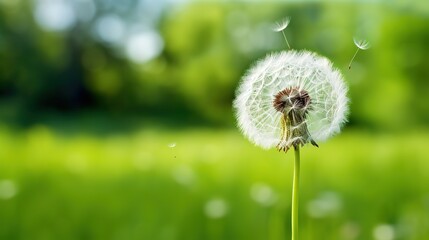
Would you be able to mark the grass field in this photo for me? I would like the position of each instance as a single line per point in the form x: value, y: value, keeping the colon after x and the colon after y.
x: 213, y: 184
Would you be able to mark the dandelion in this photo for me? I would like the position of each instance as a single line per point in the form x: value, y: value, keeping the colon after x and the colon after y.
x: 289, y: 99
x: 281, y: 26
x: 361, y: 45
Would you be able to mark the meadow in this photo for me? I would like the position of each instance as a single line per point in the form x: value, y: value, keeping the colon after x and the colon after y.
x: 205, y: 183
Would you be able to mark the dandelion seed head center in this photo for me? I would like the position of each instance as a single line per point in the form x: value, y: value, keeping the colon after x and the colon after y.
x: 291, y: 98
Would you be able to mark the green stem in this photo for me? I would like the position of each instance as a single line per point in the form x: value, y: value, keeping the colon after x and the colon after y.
x: 295, y: 193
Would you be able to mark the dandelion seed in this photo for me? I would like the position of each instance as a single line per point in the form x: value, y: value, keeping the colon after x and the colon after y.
x: 289, y: 99
x: 361, y: 45
x: 281, y: 26
x: 172, y: 145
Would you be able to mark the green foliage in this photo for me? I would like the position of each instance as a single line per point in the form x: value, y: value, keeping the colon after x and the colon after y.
x: 133, y: 186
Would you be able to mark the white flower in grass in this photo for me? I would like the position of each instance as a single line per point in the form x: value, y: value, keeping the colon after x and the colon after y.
x: 291, y: 98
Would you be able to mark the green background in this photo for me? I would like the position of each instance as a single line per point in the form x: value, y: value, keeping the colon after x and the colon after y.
x: 96, y: 145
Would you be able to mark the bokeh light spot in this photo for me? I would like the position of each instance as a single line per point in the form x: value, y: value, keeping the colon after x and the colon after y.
x: 54, y: 15
x: 8, y: 189
x: 216, y: 208
x: 384, y: 232
x: 86, y: 10
x: 263, y: 194
x: 328, y: 203
x: 110, y: 28
x: 184, y: 175
x: 144, y: 46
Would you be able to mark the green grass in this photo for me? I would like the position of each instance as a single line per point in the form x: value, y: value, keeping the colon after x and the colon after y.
x: 213, y: 185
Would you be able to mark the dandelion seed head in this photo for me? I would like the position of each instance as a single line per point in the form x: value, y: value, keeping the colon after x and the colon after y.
x: 307, y: 82
x: 361, y: 44
x: 282, y: 25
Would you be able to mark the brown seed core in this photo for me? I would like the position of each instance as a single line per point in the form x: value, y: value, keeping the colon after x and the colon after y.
x: 292, y: 99
x: 294, y: 103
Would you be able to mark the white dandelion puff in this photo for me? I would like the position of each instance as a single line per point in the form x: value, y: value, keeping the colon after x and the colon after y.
x: 361, y: 45
x: 281, y: 26
x: 289, y: 99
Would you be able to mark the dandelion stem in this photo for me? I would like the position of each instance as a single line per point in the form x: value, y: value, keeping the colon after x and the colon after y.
x: 284, y: 35
x: 350, y: 64
x: 295, y: 194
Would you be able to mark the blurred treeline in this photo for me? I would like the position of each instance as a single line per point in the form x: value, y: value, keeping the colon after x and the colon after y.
x: 205, y: 47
